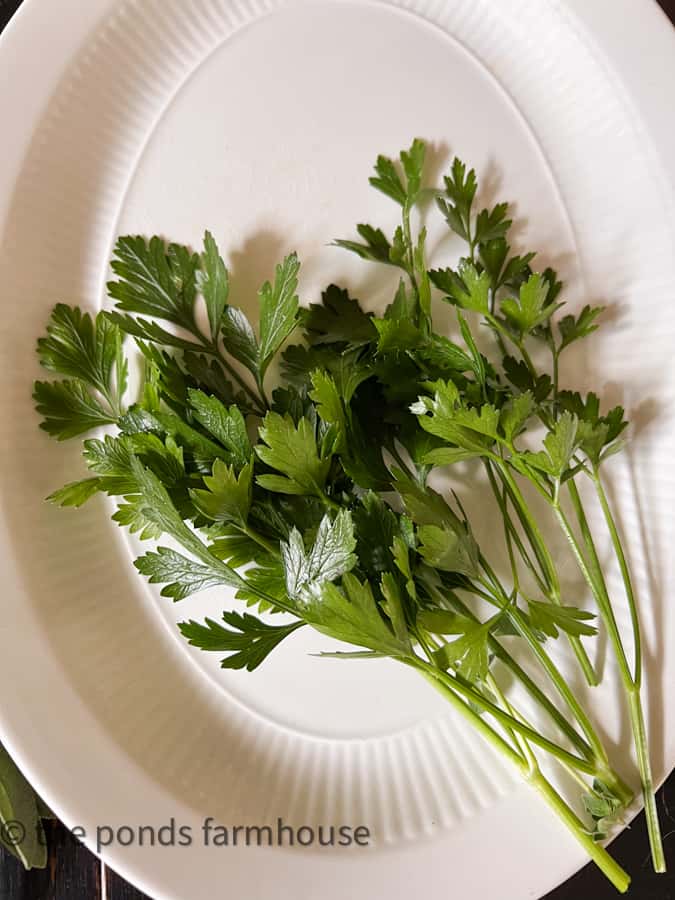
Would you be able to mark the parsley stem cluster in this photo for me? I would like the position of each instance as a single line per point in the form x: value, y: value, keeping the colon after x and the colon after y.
x: 530, y: 316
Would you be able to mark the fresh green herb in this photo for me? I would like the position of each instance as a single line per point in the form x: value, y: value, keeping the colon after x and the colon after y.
x: 248, y: 640
x: 314, y: 504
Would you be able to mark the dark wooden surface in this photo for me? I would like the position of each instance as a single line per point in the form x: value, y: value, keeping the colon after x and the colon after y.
x: 74, y: 873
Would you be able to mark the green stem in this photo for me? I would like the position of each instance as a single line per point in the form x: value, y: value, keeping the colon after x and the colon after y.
x: 558, y: 682
x: 490, y: 318
x: 502, y: 333
x: 484, y: 728
x: 407, y: 236
x: 260, y: 540
x: 593, y: 573
x: 631, y: 682
x: 536, y: 549
x: 527, y: 359
x: 561, y: 686
x: 619, y: 878
x: 519, y: 740
x: 509, y: 526
x: 509, y: 548
x: 391, y: 447
x: 599, y: 593
x: 273, y: 601
x: 491, y: 683
x: 648, y: 790
x: 550, y: 569
x: 471, y: 241
x: 537, y: 694
x: 507, y: 721
x: 578, y: 778
x: 594, y: 560
x: 616, y: 785
x: 530, y: 686
x: 625, y: 573
x: 263, y: 395
x: 501, y: 344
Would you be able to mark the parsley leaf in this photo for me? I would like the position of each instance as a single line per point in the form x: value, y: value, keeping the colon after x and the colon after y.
x: 278, y: 309
x: 351, y: 614
x: 448, y: 549
x: 571, y: 328
x: 468, y: 654
x: 392, y: 606
x: 155, y: 280
x: 515, y: 413
x: 560, y: 443
x: 388, y: 181
x: 278, y: 317
x: 376, y: 526
x: 209, y: 377
x: 68, y: 408
x: 240, y: 339
x: 442, y: 621
x: 531, y: 308
x: 397, y: 335
x: 154, y: 506
x: 264, y: 586
x: 90, y: 351
x: 338, y: 318
x: 111, y: 459
x: 520, y: 376
x: 549, y: 617
x: 180, y: 576
x: 442, y: 354
x: 412, y: 161
x: 476, y: 293
x: 213, y: 282
x: 76, y: 492
x: 466, y: 288
x: 493, y: 224
x: 471, y: 429
x: 248, y: 639
x: 292, y: 450
x: 460, y: 188
x: 424, y: 505
x: 597, y: 434
x: 201, y: 449
x: 147, y: 330
x: 331, y: 555
x: 376, y: 247
x: 603, y: 807
x: 226, y: 425
x: 329, y: 406
x: 228, y: 496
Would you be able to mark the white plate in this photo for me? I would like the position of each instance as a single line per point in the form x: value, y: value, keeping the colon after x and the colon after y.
x: 260, y: 120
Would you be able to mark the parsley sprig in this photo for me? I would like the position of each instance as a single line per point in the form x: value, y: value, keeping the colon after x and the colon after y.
x: 313, y: 502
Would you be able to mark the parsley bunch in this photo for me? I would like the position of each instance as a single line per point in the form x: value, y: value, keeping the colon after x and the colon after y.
x: 311, y: 499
